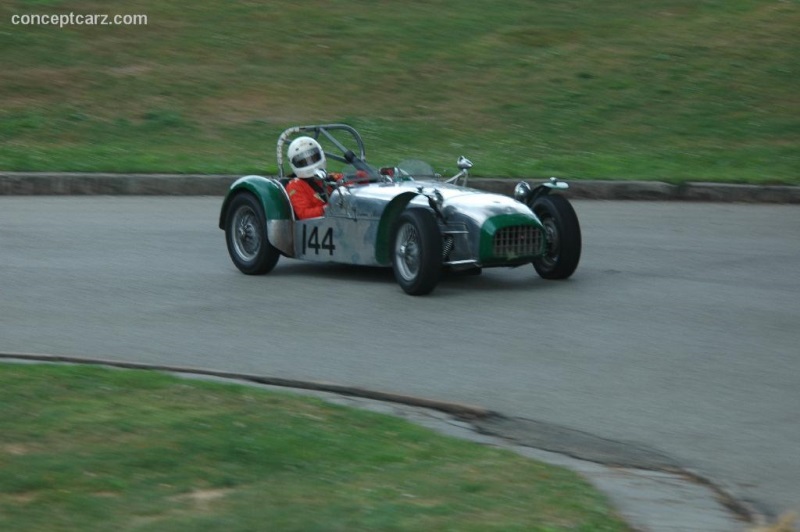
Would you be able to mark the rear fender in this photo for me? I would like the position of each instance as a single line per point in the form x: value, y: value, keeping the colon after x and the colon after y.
x: 273, y: 198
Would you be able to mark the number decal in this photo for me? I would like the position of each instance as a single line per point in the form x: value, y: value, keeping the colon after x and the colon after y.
x: 327, y: 241
x: 311, y: 241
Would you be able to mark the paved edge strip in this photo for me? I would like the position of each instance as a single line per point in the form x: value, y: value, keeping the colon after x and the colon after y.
x: 66, y: 183
x: 476, y: 416
x: 588, y: 447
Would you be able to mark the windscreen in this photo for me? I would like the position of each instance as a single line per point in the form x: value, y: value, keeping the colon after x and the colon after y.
x: 417, y: 169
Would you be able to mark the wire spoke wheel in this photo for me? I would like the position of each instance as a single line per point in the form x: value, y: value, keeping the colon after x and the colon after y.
x: 550, y: 257
x: 407, y: 252
x: 563, y: 233
x: 417, y: 251
x: 246, y: 236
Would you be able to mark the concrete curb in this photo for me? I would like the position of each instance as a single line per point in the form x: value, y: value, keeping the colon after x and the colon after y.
x: 65, y: 184
x: 659, y: 191
x: 60, y: 183
x: 461, y: 411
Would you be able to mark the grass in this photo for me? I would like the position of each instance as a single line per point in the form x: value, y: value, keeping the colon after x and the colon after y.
x: 85, y: 448
x: 671, y: 90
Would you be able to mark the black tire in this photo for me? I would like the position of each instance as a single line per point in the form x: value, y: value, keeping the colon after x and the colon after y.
x: 246, y: 236
x: 417, y: 252
x: 563, y: 237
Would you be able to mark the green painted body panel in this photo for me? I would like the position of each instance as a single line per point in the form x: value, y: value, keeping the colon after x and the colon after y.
x: 268, y: 191
x: 494, y: 224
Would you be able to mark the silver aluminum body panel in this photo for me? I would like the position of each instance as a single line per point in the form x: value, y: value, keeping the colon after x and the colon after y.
x: 281, y: 235
x: 349, y: 231
x: 337, y: 239
x: 369, y: 200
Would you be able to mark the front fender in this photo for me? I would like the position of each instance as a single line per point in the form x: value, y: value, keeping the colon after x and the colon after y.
x: 545, y: 188
x: 390, y: 214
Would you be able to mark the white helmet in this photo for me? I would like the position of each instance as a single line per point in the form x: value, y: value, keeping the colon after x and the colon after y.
x: 305, y: 156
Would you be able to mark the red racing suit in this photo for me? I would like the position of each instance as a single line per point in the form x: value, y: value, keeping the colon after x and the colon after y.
x: 306, y: 195
x: 306, y: 201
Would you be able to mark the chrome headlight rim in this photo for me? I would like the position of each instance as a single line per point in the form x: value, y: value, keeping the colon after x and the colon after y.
x: 522, y: 192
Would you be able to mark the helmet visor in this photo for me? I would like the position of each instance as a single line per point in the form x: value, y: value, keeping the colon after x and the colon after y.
x: 306, y: 158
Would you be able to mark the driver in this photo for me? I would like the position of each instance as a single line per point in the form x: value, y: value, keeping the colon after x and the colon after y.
x: 307, y: 195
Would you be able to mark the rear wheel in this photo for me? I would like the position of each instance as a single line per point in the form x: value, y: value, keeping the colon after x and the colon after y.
x: 563, y: 237
x: 246, y: 236
x: 417, y: 252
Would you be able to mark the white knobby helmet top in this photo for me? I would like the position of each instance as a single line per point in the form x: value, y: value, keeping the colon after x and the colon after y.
x: 305, y: 157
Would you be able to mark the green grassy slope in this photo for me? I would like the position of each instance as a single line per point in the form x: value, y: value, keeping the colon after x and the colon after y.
x: 664, y: 89
x: 88, y: 449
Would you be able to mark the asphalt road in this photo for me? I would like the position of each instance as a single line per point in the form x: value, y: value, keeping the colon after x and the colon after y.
x: 678, y: 333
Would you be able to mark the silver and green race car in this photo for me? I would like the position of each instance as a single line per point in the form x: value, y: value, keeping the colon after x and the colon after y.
x: 405, y: 216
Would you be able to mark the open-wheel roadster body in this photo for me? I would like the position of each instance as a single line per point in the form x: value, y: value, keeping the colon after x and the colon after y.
x: 404, y: 217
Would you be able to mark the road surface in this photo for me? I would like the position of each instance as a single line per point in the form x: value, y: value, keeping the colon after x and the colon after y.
x: 678, y: 332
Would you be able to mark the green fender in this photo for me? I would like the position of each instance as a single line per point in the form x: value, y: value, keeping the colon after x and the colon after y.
x: 268, y: 191
x: 390, y: 214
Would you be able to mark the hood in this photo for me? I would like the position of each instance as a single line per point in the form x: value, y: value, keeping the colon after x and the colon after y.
x: 458, y: 202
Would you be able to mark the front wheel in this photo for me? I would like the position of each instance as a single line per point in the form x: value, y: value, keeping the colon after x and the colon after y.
x: 417, y: 252
x: 246, y: 236
x: 563, y: 237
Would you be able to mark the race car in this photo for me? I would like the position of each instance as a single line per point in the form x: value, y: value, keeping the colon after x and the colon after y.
x: 405, y: 217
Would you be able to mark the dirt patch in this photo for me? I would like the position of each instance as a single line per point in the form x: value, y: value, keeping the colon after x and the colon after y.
x: 205, y: 496
x: 15, y: 449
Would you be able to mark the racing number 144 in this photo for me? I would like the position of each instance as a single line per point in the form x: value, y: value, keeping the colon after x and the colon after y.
x: 312, y: 241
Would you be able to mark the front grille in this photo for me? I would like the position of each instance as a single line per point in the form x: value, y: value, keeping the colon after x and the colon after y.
x: 517, y: 241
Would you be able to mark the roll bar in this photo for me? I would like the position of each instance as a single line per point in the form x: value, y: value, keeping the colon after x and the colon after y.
x: 347, y: 156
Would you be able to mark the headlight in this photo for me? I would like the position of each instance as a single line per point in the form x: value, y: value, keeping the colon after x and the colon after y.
x: 522, y: 192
